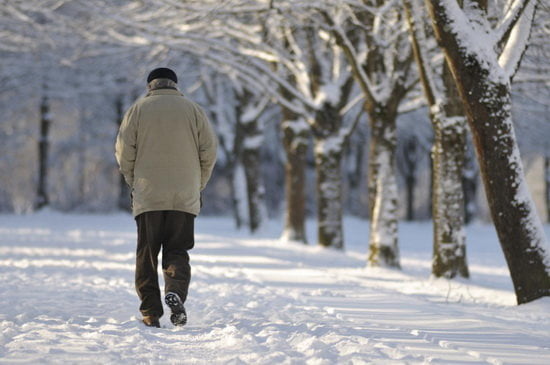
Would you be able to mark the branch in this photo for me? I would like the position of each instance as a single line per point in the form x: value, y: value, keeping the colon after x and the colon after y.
x: 511, y: 18
x: 516, y: 43
x: 419, y: 56
x: 349, y: 50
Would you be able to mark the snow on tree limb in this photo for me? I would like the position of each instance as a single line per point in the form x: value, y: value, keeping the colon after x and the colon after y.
x: 500, y: 49
x: 517, y: 40
x: 509, y: 21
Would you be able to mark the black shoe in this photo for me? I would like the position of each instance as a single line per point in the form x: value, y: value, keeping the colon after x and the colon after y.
x: 178, y: 317
x: 151, y: 321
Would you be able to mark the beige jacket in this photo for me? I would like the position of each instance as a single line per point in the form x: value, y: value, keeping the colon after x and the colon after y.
x: 166, y: 150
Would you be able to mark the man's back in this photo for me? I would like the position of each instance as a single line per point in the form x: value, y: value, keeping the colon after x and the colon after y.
x: 175, y: 149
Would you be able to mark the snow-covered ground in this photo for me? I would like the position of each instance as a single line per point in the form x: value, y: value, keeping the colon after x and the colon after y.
x: 67, y: 296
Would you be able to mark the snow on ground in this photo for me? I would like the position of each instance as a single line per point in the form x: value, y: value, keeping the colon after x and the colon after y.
x: 67, y: 296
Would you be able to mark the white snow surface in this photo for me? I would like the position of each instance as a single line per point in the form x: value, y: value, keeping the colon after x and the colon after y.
x: 67, y: 296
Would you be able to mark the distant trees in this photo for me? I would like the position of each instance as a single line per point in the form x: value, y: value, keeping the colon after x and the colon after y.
x: 42, y: 198
x: 318, y: 70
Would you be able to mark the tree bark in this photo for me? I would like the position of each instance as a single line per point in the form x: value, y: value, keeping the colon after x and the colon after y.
x: 410, y: 162
x: 239, y: 199
x: 295, y: 142
x: 410, y: 182
x: 487, y: 101
x: 124, y: 196
x: 382, y: 187
x: 42, y: 197
x: 329, y: 145
x: 251, y: 143
x: 547, y: 186
x: 328, y: 164
x: 449, y: 254
x: 254, y: 187
x: 469, y: 185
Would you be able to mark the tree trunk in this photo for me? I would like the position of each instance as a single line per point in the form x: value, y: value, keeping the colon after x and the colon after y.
x: 237, y: 182
x: 329, y: 150
x: 328, y: 164
x: 487, y: 100
x: 409, y: 164
x: 449, y: 253
x: 124, y: 197
x: 252, y: 139
x: 469, y: 185
x: 254, y: 188
x: 295, y: 141
x: 513, y: 212
x: 355, y: 173
x: 410, y: 182
x: 42, y: 197
x: 382, y: 186
x: 547, y: 186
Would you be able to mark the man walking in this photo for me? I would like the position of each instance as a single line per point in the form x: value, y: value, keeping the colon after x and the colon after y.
x: 166, y: 150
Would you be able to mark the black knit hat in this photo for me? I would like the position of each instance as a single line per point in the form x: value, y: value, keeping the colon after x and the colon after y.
x: 162, y: 73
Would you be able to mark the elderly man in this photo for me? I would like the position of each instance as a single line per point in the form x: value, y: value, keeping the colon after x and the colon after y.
x: 166, y: 150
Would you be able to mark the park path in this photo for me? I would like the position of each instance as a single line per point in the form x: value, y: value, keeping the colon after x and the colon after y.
x: 67, y: 296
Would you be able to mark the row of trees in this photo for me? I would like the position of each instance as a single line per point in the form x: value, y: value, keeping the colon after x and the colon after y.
x: 320, y: 69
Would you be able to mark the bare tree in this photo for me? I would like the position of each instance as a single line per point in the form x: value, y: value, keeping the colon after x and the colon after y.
x: 483, y: 60
x: 372, y: 38
x: 249, y: 110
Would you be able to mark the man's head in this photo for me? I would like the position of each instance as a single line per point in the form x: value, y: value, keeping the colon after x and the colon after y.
x: 162, y: 77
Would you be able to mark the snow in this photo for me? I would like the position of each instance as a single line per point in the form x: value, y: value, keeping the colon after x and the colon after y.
x: 512, y: 53
x: 253, y: 142
x: 329, y: 145
x: 328, y: 93
x: 68, y: 297
x: 476, y: 37
x: 297, y: 126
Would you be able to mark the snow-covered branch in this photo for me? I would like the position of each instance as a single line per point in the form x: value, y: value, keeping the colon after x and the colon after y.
x: 517, y: 38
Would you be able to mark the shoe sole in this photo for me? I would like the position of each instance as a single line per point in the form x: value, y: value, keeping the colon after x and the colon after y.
x: 178, y: 317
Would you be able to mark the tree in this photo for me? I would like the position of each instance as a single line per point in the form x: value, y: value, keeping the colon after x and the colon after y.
x: 483, y: 60
x: 448, y: 151
x: 372, y: 38
x: 42, y: 198
x: 410, y: 157
x: 470, y: 182
x: 531, y: 91
x: 249, y: 110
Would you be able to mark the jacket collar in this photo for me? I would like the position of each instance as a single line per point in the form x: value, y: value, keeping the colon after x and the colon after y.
x: 164, y: 92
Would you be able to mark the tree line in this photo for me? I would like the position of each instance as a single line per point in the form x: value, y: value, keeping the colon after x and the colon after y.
x: 320, y: 70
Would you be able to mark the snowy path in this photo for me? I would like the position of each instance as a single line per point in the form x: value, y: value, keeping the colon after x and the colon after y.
x: 67, y: 296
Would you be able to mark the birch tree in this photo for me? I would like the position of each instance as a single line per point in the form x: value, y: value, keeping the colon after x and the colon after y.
x: 483, y: 58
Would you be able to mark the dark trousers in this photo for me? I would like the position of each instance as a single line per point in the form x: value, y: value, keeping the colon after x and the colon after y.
x: 174, y: 232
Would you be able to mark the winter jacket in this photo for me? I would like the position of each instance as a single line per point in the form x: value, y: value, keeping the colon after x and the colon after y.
x: 166, y: 150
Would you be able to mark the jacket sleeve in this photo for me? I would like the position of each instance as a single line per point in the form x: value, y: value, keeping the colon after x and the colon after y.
x: 208, y: 145
x: 125, y: 147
